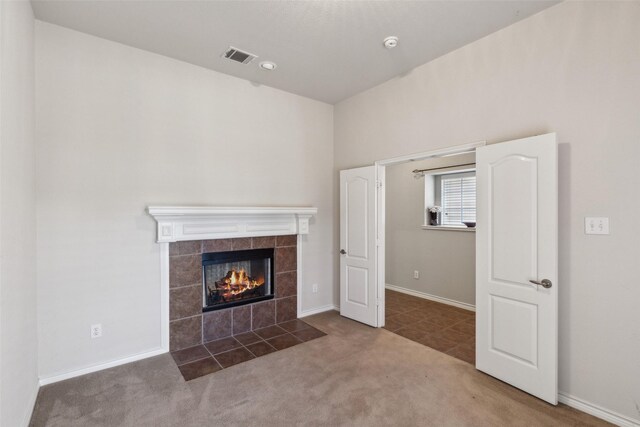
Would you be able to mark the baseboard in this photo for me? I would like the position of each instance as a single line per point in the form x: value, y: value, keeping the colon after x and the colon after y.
x: 597, y: 411
x: 318, y: 310
x: 99, y: 367
x: 435, y: 298
x: 31, y: 403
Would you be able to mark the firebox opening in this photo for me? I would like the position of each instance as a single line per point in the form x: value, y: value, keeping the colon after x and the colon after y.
x: 237, y: 278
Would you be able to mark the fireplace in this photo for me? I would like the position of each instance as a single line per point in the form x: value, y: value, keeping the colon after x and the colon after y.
x: 237, y: 277
x: 186, y: 232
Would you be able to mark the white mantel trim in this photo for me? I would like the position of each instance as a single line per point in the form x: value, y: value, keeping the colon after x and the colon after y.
x: 177, y: 223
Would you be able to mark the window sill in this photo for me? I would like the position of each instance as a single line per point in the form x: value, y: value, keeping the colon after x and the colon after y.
x: 448, y: 228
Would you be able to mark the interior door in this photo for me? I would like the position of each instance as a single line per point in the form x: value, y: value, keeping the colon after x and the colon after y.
x: 517, y: 264
x: 358, y: 296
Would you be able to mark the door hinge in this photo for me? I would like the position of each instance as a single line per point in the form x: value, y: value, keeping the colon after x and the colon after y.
x: 378, y: 184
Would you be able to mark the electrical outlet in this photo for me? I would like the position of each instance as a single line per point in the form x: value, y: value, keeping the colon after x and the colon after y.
x: 314, y: 288
x: 96, y: 330
x: 596, y: 225
x: 416, y: 274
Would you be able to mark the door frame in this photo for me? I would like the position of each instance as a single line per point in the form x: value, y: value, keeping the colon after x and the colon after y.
x: 380, y: 175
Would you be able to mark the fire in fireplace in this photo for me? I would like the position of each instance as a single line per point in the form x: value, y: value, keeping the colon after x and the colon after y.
x: 237, y: 278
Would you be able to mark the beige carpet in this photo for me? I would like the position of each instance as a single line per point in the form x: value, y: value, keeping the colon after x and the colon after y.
x: 356, y: 375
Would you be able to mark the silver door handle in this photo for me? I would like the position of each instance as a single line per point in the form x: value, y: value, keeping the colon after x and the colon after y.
x: 343, y: 252
x: 545, y: 283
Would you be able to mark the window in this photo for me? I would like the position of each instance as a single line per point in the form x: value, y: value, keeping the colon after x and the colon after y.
x: 454, y: 194
x: 458, y: 198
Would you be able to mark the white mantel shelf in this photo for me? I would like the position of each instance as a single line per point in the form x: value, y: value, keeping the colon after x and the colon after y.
x: 178, y: 223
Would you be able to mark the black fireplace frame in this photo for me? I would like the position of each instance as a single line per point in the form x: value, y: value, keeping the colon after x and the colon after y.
x: 231, y: 256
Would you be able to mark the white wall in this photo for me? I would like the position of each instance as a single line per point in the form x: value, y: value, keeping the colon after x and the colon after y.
x: 444, y: 258
x: 18, y: 327
x: 119, y: 129
x: 573, y: 69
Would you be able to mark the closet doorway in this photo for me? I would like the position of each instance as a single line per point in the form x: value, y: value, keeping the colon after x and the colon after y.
x: 430, y: 209
x: 516, y: 259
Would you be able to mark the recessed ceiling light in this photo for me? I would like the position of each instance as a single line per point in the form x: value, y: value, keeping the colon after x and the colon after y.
x: 268, y: 65
x: 390, y: 42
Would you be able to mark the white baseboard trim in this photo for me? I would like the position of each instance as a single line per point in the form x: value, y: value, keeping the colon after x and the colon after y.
x: 31, y: 403
x: 597, y: 411
x: 435, y: 298
x: 322, y: 309
x: 99, y: 367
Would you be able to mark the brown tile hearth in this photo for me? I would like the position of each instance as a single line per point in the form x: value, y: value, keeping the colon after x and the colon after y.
x: 248, y: 338
x: 190, y: 354
x: 185, y: 302
x: 270, y: 332
x: 263, y: 314
x: 204, y: 359
x: 241, y: 317
x: 286, y: 284
x: 308, y: 334
x: 233, y: 357
x: 200, y: 368
x: 185, y: 333
x: 294, y: 325
x: 216, y: 325
x: 284, y: 341
x: 222, y: 345
x: 286, y: 259
x: 185, y: 270
x: 260, y: 348
x: 286, y: 309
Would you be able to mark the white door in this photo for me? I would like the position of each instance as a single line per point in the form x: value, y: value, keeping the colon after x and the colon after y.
x: 517, y: 264
x: 358, y: 245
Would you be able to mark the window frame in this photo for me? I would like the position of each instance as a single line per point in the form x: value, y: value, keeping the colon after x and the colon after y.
x: 433, y: 197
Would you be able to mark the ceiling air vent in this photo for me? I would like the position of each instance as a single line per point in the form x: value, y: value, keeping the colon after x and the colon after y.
x: 238, y: 55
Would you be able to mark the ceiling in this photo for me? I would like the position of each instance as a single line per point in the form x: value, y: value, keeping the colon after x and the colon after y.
x: 325, y: 50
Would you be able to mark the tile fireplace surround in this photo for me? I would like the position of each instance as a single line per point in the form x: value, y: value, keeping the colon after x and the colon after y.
x: 189, y: 326
x: 186, y: 232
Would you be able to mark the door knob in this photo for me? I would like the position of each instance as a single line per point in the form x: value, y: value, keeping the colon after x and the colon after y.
x: 545, y: 283
x: 343, y: 252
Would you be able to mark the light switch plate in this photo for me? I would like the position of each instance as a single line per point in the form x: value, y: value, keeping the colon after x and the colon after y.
x: 596, y: 225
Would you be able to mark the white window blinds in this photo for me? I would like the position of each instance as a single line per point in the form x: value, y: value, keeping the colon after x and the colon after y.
x: 458, y: 195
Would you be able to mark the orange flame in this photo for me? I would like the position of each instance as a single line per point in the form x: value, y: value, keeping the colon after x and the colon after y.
x: 239, y: 282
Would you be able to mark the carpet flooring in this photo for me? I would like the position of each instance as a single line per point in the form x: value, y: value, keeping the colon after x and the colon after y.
x: 355, y: 375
